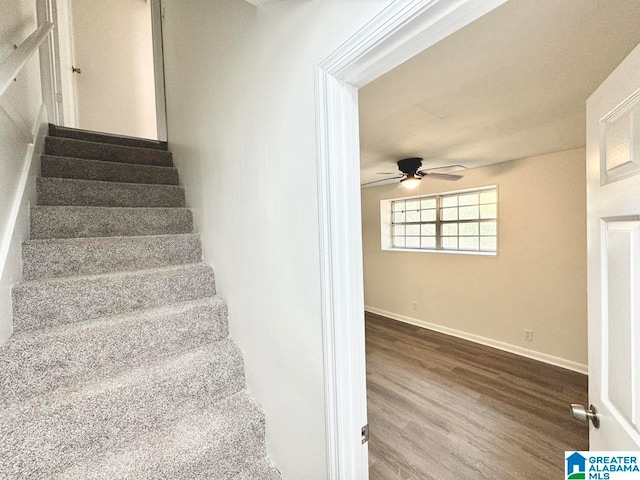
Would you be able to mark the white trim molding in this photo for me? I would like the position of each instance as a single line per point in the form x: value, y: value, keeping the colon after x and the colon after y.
x: 403, y: 29
x: 14, y: 208
x: 17, y: 227
x: 489, y: 342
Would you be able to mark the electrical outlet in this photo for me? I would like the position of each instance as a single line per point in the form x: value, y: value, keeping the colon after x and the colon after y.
x: 528, y: 335
x: 416, y: 306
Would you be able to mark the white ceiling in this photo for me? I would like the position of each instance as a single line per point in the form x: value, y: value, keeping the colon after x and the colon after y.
x: 513, y: 84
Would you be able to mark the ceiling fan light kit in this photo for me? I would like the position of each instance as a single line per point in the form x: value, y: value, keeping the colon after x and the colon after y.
x: 411, y: 181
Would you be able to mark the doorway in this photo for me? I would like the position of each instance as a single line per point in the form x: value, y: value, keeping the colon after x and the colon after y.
x: 495, y: 104
x: 396, y: 35
x: 111, y: 67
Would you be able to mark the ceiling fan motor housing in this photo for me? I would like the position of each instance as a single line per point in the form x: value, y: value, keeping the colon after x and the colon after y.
x: 409, y: 166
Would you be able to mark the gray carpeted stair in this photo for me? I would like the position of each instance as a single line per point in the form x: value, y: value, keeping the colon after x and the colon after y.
x: 89, y: 136
x: 218, y: 442
x: 40, y: 361
x: 74, y: 221
x: 120, y: 366
x: 69, y: 147
x: 108, y: 414
x: 50, y: 302
x: 67, y: 191
x: 70, y: 167
x: 61, y: 257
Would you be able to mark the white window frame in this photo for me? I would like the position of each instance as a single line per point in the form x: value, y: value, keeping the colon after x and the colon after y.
x: 386, y: 223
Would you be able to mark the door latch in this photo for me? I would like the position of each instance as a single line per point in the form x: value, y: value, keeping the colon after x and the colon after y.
x: 581, y: 413
x: 365, y: 434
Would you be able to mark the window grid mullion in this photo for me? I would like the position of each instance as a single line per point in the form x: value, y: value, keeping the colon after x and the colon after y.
x: 439, y: 223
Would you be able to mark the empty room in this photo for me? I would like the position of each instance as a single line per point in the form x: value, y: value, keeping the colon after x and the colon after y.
x: 474, y: 224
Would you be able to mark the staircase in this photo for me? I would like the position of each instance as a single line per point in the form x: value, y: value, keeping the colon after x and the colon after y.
x: 120, y: 366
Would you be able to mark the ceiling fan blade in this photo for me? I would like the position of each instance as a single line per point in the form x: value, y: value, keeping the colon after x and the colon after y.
x: 386, y: 173
x: 383, y: 180
x: 445, y: 169
x: 442, y: 176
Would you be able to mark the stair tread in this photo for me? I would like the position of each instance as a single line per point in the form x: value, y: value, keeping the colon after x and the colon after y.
x: 52, y: 191
x: 107, y: 209
x: 107, y: 151
x: 39, y: 361
x: 97, y: 221
x: 99, y: 207
x: 70, y: 328
x: 82, y: 181
x: 122, y: 273
x: 73, y: 141
x: 52, y: 241
x: 64, y: 257
x: 55, y: 166
x: 135, y: 377
x: 118, y: 164
x: 109, y: 138
x: 52, y: 301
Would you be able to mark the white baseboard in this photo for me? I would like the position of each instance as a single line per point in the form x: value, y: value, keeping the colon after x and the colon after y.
x: 489, y: 342
x: 18, y: 223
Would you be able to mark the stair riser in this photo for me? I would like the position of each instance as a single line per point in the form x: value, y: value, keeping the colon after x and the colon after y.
x: 87, y: 256
x: 76, y: 429
x: 73, y: 299
x: 64, y: 167
x: 65, y: 147
x: 73, y: 222
x: 55, y: 131
x: 65, y: 357
x: 59, y: 191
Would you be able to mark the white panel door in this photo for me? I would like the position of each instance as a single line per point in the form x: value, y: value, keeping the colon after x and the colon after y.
x: 113, y: 49
x: 613, y: 217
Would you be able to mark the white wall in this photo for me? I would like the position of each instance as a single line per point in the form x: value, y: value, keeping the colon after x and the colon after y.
x: 240, y: 97
x: 537, y: 281
x: 22, y: 117
x: 112, y: 45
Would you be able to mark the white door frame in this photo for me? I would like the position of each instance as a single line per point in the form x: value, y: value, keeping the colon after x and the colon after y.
x: 50, y: 63
x: 403, y: 29
x: 64, y: 62
x: 158, y: 69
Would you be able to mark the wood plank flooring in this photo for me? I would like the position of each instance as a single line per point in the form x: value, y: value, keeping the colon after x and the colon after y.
x: 445, y: 408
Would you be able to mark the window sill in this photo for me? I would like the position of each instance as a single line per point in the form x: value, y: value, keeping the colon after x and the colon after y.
x: 446, y: 252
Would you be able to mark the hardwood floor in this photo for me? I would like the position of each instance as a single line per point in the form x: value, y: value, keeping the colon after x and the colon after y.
x: 445, y: 408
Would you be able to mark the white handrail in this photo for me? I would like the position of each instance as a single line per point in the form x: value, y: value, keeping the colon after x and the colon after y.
x: 14, y: 63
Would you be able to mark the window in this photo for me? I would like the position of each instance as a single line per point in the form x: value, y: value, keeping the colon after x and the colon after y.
x: 464, y: 221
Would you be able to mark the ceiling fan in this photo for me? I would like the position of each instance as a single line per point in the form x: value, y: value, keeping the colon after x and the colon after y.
x: 411, y: 174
